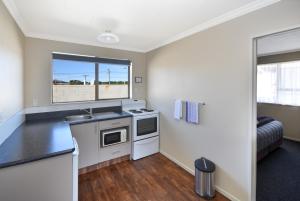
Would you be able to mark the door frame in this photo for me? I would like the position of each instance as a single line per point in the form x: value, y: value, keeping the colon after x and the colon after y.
x: 253, y: 116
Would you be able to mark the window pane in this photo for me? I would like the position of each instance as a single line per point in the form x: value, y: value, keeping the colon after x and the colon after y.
x: 289, y: 83
x: 73, y: 81
x: 267, y: 83
x: 279, y: 83
x: 113, y: 81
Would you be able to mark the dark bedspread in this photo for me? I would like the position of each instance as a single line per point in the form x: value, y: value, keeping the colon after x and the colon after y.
x: 263, y: 120
x: 269, y: 137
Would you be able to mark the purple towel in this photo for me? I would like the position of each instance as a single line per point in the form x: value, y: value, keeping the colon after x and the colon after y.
x: 192, y: 112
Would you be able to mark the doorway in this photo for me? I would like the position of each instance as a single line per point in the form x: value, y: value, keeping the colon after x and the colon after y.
x: 277, y: 122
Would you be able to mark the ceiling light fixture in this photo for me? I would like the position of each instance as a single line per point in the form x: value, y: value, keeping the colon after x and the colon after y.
x: 108, y: 37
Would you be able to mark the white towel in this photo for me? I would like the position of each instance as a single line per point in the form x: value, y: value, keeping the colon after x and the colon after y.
x: 178, y: 109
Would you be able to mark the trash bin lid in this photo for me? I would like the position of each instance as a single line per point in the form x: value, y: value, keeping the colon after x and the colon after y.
x: 205, y: 165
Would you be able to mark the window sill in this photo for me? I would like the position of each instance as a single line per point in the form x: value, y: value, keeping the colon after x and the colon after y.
x: 278, y: 104
x: 88, y: 102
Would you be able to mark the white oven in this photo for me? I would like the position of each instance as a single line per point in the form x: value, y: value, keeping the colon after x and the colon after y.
x: 113, y: 136
x: 145, y: 126
x: 145, y: 135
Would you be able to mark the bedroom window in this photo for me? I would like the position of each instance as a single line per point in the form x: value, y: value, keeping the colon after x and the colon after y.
x: 83, y: 78
x: 279, y: 83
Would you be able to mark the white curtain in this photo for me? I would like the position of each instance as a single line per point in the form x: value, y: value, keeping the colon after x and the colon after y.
x: 279, y: 83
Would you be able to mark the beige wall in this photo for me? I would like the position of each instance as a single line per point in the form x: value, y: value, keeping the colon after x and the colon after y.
x: 214, y: 66
x: 288, y: 115
x: 38, y: 56
x: 277, y: 58
x: 11, y: 70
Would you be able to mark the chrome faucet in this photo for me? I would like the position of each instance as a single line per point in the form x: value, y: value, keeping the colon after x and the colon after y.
x: 89, y: 111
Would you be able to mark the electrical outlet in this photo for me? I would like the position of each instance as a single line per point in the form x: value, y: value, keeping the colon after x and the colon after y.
x: 35, y: 102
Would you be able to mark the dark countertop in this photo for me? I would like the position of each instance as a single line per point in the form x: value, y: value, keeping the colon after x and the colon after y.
x: 36, y: 140
x: 40, y: 139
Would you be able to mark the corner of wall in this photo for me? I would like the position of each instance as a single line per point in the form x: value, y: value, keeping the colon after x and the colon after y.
x: 13, y: 58
x: 192, y: 172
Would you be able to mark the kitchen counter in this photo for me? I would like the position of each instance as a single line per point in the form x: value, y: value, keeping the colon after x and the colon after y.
x: 36, y: 140
x: 39, y: 139
x: 102, y: 117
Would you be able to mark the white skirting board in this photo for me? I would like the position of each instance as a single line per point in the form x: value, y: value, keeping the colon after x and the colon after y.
x: 290, y: 138
x: 220, y: 190
x: 8, y: 126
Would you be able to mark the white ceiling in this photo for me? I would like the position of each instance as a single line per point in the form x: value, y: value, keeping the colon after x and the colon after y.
x: 142, y: 25
x: 287, y: 41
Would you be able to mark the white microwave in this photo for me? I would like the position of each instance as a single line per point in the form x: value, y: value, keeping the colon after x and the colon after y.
x: 114, y: 136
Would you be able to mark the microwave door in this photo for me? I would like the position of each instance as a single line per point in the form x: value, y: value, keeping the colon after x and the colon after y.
x: 111, y: 138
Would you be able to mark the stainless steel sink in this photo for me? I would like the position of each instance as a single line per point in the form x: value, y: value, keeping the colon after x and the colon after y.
x: 78, y: 117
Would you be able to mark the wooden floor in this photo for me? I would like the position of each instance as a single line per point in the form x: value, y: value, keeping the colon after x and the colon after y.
x: 154, y: 178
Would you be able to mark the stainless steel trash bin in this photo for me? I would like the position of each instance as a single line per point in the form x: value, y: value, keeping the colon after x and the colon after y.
x: 204, y: 178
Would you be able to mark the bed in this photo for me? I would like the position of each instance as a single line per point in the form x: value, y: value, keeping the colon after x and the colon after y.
x: 269, y: 136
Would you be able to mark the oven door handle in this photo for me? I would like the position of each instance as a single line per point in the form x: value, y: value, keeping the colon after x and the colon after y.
x: 147, y: 141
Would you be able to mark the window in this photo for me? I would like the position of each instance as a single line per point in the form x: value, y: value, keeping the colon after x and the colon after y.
x: 113, y: 81
x: 79, y: 78
x: 279, y: 83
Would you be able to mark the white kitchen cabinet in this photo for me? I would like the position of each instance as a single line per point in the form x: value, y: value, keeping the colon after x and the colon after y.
x: 118, y: 150
x: 88, y: 142
x: 88, y: 139
x: 114, y: 151
x: 115, y: 123
x: 48, y: 179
